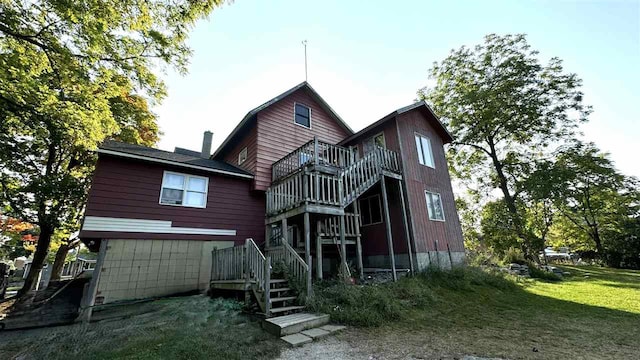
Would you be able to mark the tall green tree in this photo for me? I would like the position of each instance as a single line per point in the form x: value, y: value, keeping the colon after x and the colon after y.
x: 504, y: 109
x: 587, y: 191
x: 67, y: 71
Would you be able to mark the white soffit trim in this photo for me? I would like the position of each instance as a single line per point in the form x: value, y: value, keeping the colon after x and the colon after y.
x: 175, y: 163
x: 101, y: 223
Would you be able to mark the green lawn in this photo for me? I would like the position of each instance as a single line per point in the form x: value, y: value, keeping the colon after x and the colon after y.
x: 592, y: 314
x: 594, y: 317
x: 596, y: 286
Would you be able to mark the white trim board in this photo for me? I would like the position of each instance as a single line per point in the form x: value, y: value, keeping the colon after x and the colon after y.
x: 175, y: 163
x: 110, y: 224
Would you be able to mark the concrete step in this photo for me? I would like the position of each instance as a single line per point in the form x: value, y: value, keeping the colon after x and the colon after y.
x: 309, y: 335
x: 291, y: 324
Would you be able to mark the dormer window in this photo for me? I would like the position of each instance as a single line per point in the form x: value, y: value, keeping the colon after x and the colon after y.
x: 302, y: 115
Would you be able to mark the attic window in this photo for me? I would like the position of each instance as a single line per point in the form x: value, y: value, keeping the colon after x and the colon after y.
x: 242, y: 156
x: 302, y: 115
x: 373, y: 142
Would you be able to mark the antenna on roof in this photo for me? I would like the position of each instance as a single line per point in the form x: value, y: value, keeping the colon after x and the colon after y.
x: 304, y: 42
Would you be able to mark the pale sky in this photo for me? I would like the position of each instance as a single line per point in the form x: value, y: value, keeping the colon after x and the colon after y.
x: 368, y: 58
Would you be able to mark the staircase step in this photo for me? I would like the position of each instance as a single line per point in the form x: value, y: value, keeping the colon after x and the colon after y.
x: 291, y: 324
x: 285, y: 309
x: 284, y: 298
x: 280, y: 289
x: 277, y: 281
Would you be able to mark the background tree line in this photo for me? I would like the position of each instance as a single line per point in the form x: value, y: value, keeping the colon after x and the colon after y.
x: 530, y: 181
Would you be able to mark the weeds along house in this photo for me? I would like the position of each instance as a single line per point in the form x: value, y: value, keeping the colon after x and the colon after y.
x: 292, y: 177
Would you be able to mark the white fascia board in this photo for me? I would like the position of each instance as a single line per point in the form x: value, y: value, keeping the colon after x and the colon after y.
x: 110, y: 224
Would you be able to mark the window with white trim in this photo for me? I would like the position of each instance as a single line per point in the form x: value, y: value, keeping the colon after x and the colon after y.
x: 376, y: 140
x: 370, y: 210
x: 242, y: 156
x: 184, y: 190
x: 434, y: 206
x: 425, y: 154
x: 302, y: 115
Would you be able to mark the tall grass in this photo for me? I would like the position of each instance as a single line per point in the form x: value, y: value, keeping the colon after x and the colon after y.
x: 372, y: 305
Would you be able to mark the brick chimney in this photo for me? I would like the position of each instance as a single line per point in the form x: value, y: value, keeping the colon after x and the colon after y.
x: 206, y: 144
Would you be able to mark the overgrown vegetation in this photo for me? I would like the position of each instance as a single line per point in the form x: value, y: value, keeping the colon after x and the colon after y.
x: 195, y: 327
x: 373, y: 305
x: 592, y: 314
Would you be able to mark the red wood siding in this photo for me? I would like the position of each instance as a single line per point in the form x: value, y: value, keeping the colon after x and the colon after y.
x: 250, y: 141
x: 419, y: 178
x: 278, y: 135
x: 374, y: 238
x: 131, y: 189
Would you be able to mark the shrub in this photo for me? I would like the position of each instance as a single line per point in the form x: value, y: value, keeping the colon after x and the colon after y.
x: 514, y: 256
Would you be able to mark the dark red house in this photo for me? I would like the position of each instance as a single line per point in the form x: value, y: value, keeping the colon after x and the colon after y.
x: 293, y: 177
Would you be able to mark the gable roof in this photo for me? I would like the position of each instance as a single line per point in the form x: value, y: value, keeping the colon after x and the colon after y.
x: 251, y: 114
x: 179, y: 159
x: 446, y: 136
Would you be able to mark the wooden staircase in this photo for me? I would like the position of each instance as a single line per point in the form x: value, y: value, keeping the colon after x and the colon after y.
x: 246, y: 268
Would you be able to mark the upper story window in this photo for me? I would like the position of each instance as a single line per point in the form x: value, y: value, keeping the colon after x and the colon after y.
x: 425, y: 153
x: 184, y: 190
x: 370, y: 210
x: 434, y: 206
x: 376, y: 140
x: 302, y: 115
x: 242, y: 156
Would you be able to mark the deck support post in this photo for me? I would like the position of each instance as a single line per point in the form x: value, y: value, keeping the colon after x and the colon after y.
x: 405, y: 223
x: 284, y: 231
x: 267, y: 237
x: 247, y: 271
x: 307, y: 251
x: 318, y: 252
x: 387, y: 223
x: 343, y: 248
x: 356, y: 209
x: 267, y: 286
x: 316, y: 158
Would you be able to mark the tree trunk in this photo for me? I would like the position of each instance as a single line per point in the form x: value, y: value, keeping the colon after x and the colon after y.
x: 510, y: 201
x: 58, y: 264
x: 42, y: 248
x: 598, y: 241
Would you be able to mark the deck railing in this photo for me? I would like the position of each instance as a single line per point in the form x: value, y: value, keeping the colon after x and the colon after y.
x: 313, y: 152
x: 297, y: 268
x: 333, y: 190
x: 228, y: 263
x: 330, y: 226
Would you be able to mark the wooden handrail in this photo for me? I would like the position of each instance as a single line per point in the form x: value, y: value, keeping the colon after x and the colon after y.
x: 297, y: 267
